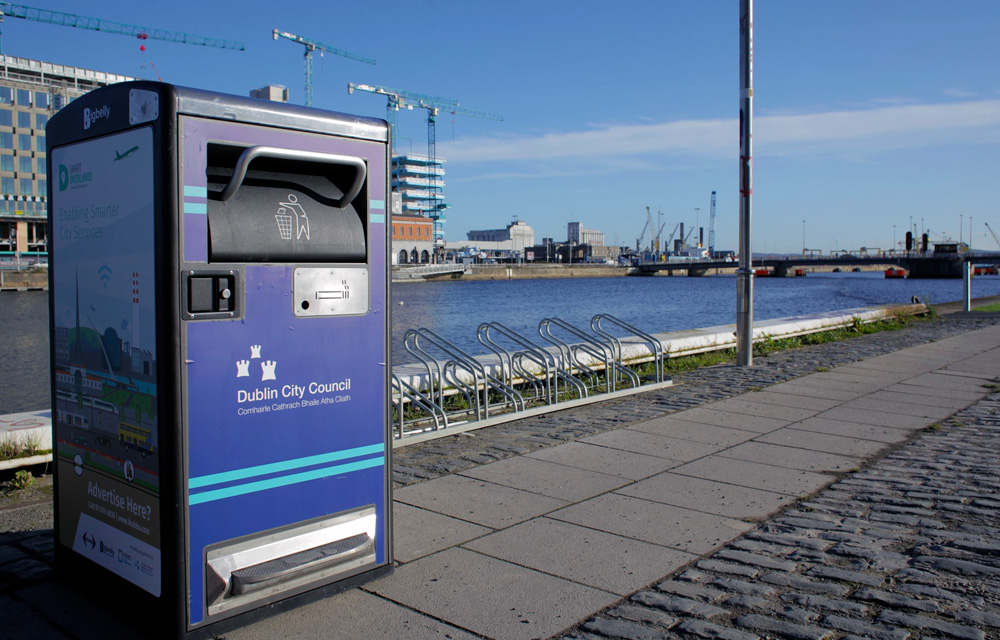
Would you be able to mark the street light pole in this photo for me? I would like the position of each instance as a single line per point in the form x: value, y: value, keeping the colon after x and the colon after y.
x: 803, y: 238
x: 744, y: 274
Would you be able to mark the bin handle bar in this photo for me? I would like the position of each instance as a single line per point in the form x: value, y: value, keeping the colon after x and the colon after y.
x: 240, y: 171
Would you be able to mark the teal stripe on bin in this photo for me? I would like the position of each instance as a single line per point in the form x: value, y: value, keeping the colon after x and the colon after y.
x: 195, y: 207
x: 285, y: 465
x: 195, y: 192
x: 283, y: 481
x: 378, y: 204
x: 376, y: 218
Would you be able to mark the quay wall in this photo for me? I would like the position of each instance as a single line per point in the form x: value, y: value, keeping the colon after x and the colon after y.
x: 29, y: 279
x: 539, y: 271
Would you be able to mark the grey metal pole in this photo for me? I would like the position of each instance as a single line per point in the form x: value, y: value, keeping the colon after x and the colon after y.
x: 744, y: 274
x: 967, y: 286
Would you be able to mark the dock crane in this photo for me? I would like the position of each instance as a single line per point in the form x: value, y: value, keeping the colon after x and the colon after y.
x: 990, y: 229
x: 23, y: 12
x: 397, y: 99
x: 711, y: 229
x: 638, y: 243
x: 311, y: 46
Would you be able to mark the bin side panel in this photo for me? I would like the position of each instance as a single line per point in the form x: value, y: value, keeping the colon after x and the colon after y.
x: 105, y: 420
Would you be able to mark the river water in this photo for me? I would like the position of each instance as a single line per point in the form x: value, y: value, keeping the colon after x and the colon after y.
x: 454, y: 309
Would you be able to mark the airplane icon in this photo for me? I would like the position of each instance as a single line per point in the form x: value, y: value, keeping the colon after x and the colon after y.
x: 120, y: 156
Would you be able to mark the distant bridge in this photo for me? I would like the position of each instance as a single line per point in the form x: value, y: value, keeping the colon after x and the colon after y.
x: 948, y: 265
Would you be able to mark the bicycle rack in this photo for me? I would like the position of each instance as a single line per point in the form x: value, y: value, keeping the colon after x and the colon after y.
x: 655, y: 346
x: 409, y: 393
x: 477, y: 393
x: 592, y: 347
x: 514, y: 362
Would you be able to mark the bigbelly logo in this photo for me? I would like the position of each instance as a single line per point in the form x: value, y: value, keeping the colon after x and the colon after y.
x: 90, y: 116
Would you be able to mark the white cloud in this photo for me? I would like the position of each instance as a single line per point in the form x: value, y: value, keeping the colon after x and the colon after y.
x: 960, y: 93
x: 855, y: 131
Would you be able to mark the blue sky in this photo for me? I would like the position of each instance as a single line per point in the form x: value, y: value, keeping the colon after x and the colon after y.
x: 867, y: 113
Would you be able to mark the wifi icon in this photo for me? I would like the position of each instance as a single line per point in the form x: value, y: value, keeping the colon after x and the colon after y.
x: 104, y: 274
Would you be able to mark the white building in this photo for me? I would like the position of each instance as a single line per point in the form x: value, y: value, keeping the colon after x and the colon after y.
x: 576, y: 234
x: 517, y: 236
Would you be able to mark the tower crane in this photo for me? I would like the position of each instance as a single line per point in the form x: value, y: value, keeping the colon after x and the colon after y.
x: 313, y: 45
x: 433, y: 109
x: 8, y: 9
x: 711, y: 229
x: 990, y: 229
x: 434, y: 105
x: 397, y: 99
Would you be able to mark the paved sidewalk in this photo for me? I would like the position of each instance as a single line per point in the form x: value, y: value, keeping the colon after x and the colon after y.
x: 537, y: 543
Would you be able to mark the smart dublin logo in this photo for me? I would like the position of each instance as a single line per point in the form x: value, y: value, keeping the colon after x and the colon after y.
x: 278, y: 397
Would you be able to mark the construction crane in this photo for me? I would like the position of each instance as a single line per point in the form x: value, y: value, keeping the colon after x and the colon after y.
x: 398, y: 99
x: 711, y: 229
x: 990, y: 229
x: 97, y: 24
x: 313, y: 45
x: 433, y: 109
x: 434, y: 106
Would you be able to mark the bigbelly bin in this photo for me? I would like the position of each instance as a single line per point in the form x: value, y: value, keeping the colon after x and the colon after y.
x: 220, y: 360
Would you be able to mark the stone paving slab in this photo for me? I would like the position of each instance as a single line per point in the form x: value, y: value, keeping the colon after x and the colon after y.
x: 710, y: 415
x: 616, y: 462
x: 855, y: 384
x: 755, y: 475
x: 877, y: 418
x: 802, y: 387
x: 791, y: 455
x: 894, y: 394
x: 597, y: 559
x: 777, y: 395
x: 419, y: 532
x: 746, y: 405
x: 547, y: 478
x: 696, y: 431
x: 824, y: 442
x: 475, y: 501
x: 651, y: 444
x: 489, y: 596
x: 859, y: 379
x: 352, y: 614
x: 931, y: 392
x: 940, y: 380
x: 854, y: 430
x: 710, y: 496
x: 682, y: 529
x: 903, y: 408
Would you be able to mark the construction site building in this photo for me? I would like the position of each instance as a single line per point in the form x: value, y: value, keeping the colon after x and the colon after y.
x: 31, y: 91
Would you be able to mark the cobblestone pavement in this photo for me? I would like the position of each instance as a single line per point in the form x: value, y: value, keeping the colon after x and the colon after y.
x: 451, y: 454
x: 907, y: 548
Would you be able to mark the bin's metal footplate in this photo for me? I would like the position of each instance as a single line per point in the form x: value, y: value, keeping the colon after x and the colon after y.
x: 249, y: 571
x: 268, y: 573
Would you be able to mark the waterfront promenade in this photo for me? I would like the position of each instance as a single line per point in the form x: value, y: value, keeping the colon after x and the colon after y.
x: 702, y: 510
